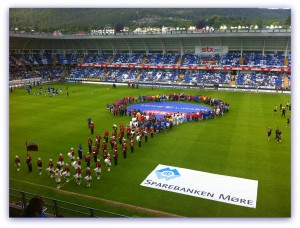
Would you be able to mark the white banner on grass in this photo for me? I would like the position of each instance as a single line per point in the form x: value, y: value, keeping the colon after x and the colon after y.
x: 226, y: 189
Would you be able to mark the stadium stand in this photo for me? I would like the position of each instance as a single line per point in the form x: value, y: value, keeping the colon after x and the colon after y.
x: 97, y: 59
x: 190, y: 60
x: 45, y: 68
x: 250, y: 61
x: 69, y: 58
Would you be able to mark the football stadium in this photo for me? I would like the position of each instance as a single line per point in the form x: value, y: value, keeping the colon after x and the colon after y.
x: 162, y: 125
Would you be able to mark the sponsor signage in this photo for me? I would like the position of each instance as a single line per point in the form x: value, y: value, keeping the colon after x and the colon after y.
x: 221, y: 188
x: 208, y: 50
x: 199, y: 67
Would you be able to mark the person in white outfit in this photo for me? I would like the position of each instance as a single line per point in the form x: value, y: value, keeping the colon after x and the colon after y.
x: 98, y: 168
x: 66, y: 172
x: 88, y: 176
x: 57, y: 175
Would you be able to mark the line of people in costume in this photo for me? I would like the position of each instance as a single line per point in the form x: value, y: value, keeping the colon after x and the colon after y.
x: 141, y: 126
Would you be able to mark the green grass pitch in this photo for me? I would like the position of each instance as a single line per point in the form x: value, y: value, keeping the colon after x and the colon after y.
x: 234, y: 145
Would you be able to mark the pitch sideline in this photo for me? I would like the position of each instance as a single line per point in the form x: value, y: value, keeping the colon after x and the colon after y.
x: 118, y: 204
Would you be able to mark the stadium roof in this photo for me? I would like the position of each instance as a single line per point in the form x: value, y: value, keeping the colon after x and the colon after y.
x: 263, y: 41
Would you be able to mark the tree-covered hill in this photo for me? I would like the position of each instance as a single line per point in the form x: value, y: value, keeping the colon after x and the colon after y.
x: 78, y: 19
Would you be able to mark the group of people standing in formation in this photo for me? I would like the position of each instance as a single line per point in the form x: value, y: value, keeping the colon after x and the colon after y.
x: 283, y: 110
x: 121, y: 139
x: 219, y: 108
x: 50, y: 91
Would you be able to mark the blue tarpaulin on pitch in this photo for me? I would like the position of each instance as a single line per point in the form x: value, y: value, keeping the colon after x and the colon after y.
x: 162, y: 108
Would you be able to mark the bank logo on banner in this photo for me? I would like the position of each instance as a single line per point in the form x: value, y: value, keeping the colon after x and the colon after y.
x: 221, y: 188
x: 167, y: 173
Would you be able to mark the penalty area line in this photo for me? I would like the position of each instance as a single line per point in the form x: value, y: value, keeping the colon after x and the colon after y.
x: 110, y: 202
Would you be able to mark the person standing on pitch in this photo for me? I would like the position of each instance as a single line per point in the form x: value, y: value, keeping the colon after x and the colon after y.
x: 18, y: 162
x: 269, y: 133
x: 98, y: 169
x: 128, y: 131
x: 40, y: 165
x: 61, y: 159
x: 92, y: 126
x: 88, y: 159
x: 78, y: 175
x: 283, y: 111
x: 112, y: 142
x: 58, y: 165
x: 66, y: 172
x: 278, y: 135
x: 98, y: 139
x: 90, y: 144
x: 288, y: 121
x: 50, y: 168
x: 78, y: 162
x: 152, y: 131
x: 275, y: 109
x: 29, y: 162
x: 104, y: 146
x: 95, y: 153
x: 116, y: 155
x: 79, y: 150
x: 108, y: 162
x: 71, y: 154
x: 88, y: 176
x: 145, y: 132
x: 106, y: 134
x: 139, y: 139
x: 287, y: 105
x: 120, y: 136
x: 131, y: 145
x: 57, y: 175
x: 89, y: 120
x: 124, y: 148
x: 115, y: 146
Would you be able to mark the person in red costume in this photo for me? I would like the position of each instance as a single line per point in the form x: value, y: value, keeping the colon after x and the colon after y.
x: 61, y: 159
x: 116, y: 155
x: 124, y: 149
x: 66, y: 172
x: 104, y: 146
x: 50, y: 168
x: 78, y: 176
x: 87, y: 159
x: 131, y: 145
x: 90, y: 144
x: 106, y: 134
x: 39, y: 165
x: 95, y: 153
x: 29, y: 162
x: 92, y: 127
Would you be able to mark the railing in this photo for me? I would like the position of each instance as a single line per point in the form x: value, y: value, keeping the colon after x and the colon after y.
x: 59, y: 208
